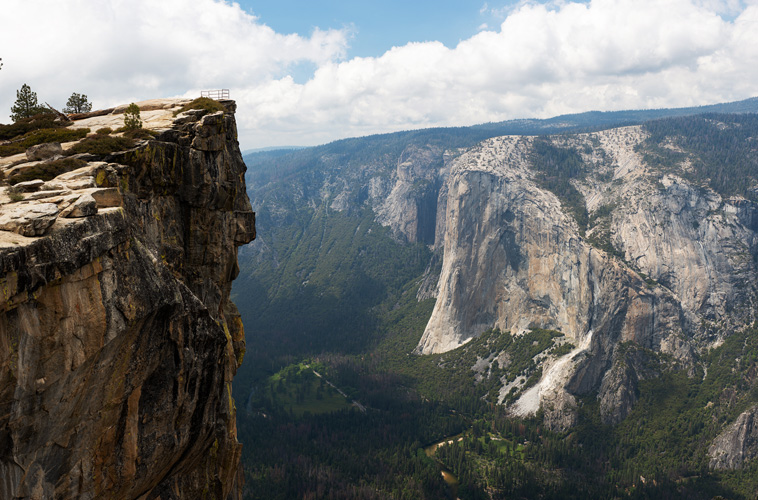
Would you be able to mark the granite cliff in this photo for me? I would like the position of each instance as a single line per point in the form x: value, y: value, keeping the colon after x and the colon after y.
x: 118, y: 338
x: 737, y: 444
x: 659, y: 260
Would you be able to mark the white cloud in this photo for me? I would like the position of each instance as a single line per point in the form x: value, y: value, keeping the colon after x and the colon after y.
x: 544, y: 59
x: 121, y: 50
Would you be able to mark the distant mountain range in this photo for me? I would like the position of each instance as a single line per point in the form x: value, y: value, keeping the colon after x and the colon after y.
x: 587, y: 121
x: 271, y: 148
x: 602, y: 119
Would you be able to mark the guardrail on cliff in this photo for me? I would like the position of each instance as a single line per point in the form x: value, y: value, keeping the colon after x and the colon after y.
x: 215, y: 94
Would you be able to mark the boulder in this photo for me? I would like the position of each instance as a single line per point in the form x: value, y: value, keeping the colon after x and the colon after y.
x: 44, y: 151
x: 41, y: 195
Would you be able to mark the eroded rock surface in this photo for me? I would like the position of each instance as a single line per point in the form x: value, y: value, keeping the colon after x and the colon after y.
x: 118, y: 341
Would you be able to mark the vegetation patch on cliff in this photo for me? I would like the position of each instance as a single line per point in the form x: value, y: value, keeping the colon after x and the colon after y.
x: 101, y: 145
x: 557, y: 167
x: 41, y: 136
x: 47, y: 171
x: 203, y: 103
x: 26, y: 125
x: 599, y: 234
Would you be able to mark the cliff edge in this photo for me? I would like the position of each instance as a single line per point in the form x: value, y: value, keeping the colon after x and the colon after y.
x: 118, y: 340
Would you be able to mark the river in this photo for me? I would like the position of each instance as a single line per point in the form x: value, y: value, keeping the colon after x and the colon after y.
x: 447, y: 474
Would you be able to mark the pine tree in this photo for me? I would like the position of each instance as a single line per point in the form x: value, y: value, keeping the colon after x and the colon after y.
x: 77, y: 103
x: 132, y: 118
x: 26, y: 104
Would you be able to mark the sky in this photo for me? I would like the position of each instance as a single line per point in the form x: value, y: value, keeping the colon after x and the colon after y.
x: 308, y: 72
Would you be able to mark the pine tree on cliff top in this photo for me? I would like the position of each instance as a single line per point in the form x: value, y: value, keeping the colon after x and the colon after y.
x: 78, y: 103
x: 26, y: 104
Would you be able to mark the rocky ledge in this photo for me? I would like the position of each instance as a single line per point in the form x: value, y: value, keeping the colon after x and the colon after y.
x: 118, y: 340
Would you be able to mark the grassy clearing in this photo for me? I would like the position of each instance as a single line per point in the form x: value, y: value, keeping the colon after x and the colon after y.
x: 297, y: 390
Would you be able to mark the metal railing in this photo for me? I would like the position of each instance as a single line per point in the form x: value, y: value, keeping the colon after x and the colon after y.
x: 215, y: 94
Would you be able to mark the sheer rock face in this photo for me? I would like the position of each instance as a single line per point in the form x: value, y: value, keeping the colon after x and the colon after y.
x: 513, y: 259
x: 738, y: 443
x: 407, y: 201
x: 118, y: 339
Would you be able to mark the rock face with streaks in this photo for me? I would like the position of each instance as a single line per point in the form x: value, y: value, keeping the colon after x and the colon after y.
x: 660, y: 258
x: 408, y: 204
x: 738, y: 443
x: 118, y: 340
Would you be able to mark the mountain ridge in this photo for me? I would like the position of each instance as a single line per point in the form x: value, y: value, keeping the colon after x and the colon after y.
x: 534, y: 126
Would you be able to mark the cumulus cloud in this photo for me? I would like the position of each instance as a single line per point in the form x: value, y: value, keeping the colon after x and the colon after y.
x: 120, y: 50
x: 543, y: 59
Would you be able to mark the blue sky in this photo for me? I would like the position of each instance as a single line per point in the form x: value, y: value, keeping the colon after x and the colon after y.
x: 378, y: 26
x: 310, y: 72
x: 375, y: 27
